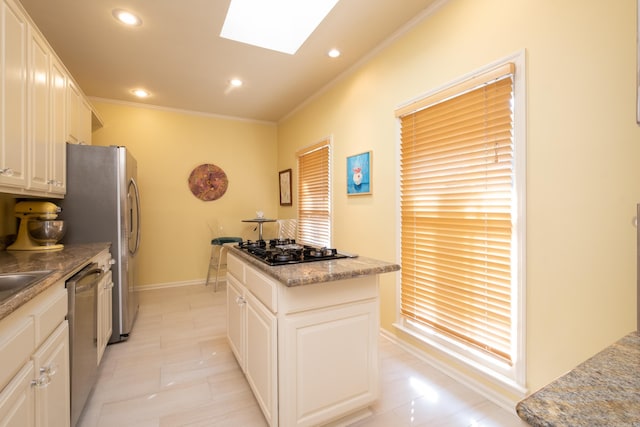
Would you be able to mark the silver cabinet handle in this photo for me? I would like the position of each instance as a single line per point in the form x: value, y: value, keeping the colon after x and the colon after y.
x: 240, y: 300
x: 49, y: 370
x: 42, y: 381
x: 6, y: 172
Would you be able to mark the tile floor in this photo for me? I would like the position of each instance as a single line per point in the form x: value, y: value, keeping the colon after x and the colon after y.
x: 176, y: 369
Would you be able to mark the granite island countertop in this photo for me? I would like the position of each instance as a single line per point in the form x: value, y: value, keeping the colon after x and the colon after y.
x: 308, y: 273
x: 62, y: 263
x: 602, y: 391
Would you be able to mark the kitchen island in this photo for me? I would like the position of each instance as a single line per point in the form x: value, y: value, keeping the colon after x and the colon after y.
x: 306, y: 336
x: 602, y: 391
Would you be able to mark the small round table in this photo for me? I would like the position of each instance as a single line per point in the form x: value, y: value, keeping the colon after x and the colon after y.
x: 260, y: 221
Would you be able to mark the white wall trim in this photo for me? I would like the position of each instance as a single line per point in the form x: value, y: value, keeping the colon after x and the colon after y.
x: 420, y: 17
x: 199, y: 282
x: 487, y: 392
x: 176, y: 110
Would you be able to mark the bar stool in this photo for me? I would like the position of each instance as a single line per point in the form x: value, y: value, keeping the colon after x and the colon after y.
x: 215, y: 261
x: 287, y: 228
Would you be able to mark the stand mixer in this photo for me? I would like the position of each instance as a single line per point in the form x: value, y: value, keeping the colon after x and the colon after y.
x: 37, y: 238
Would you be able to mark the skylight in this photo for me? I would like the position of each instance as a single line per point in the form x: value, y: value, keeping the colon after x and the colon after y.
x: 281, y: 25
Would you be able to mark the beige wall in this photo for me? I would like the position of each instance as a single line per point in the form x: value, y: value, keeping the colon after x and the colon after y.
x: 167, y: 146
x: 583, y: 148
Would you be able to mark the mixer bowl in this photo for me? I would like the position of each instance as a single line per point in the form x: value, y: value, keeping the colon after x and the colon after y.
x: 46, y: 231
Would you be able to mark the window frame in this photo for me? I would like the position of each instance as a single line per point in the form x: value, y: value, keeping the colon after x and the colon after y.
x: 512, y: 376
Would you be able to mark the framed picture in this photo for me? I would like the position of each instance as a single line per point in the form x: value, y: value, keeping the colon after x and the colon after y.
x: 285, y: 188
x: 359, y: 174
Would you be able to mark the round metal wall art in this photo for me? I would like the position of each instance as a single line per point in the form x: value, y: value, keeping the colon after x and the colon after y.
x: 208, y: 182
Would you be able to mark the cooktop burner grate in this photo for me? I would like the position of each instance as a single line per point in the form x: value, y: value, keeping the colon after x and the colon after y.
x: 287, y: 251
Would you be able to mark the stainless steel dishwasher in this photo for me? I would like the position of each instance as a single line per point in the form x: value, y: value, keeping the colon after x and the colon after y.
x: 83, y: 348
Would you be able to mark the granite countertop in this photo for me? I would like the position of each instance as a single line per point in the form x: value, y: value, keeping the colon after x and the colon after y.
x: 308, y: 273
x: 62, y: 263
x: 602, y: 391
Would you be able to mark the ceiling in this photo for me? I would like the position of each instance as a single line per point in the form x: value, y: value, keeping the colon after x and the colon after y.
x: 178, y: 55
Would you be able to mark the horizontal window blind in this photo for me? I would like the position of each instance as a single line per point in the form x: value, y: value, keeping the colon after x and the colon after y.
x: 456, y: 211
x: 314, y: 224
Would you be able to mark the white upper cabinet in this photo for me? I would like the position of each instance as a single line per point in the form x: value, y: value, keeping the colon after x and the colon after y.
x: 41, y: 109
x: 13, y: 96
x: 38, y: 135
x: 79, y: 117
x: 58, y: 174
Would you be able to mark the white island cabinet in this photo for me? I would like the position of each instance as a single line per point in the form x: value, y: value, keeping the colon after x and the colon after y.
x: 309, y: 350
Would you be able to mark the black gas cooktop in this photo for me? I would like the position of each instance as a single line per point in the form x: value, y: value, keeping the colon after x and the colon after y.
x: 287, y: 251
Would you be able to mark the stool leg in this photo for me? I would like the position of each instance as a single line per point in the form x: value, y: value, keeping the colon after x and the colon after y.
x: 213, y: 262
x: 220, y: 253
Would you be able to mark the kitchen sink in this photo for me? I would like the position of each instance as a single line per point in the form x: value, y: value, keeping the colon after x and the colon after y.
x: 11, y: 283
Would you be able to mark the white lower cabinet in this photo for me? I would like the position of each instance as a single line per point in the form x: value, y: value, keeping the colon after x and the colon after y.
x: 329, y: 363
x: 252, y: 334
x: 34, y: 355
x: 17, y: 400
x: 52, y: 383
x: 236, y: 319
x: 309, y: 353
x: 104, y: 311
x: 261, y: 364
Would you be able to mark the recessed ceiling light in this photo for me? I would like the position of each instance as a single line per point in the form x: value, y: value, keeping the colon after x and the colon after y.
x: 282, y: 26
x: 140, y: 93
x: 333, y: 53
x: 126, y: 17
x: 235, y: 82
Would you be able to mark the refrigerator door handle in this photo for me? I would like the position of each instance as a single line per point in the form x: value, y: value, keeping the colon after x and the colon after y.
x: 136, y: 193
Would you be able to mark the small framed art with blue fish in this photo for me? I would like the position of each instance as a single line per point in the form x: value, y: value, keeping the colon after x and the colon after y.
x: 359, y: 174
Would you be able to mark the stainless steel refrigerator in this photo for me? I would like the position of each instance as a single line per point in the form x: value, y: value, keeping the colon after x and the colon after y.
x: 102, y: 204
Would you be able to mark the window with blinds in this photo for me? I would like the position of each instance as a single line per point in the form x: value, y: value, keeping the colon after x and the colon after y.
x: 314, y: 195
x: 457, y: 204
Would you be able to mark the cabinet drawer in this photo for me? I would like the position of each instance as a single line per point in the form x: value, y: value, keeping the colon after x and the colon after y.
x: 263, y: 288
x: 235, y: 267
x: 51, y: 312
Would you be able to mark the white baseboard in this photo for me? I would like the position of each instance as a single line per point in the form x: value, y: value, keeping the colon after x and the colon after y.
x: 200, y: 282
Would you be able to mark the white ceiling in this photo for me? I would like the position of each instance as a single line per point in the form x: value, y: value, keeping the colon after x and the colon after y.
x: 178, y: 55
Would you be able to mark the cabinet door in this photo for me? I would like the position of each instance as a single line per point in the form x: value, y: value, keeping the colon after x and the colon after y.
x: 13, y: 96
x: 105, y: 304
x: 39, y: 112
x: 73, y: 108
x: 322, y: 347
x: 78, y: 116
x: 261, y: 357
x: 58, y: 173
x: 236, y: 318
x: 84, y: 122
x: 17, y: 400
x: 52, y: 396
